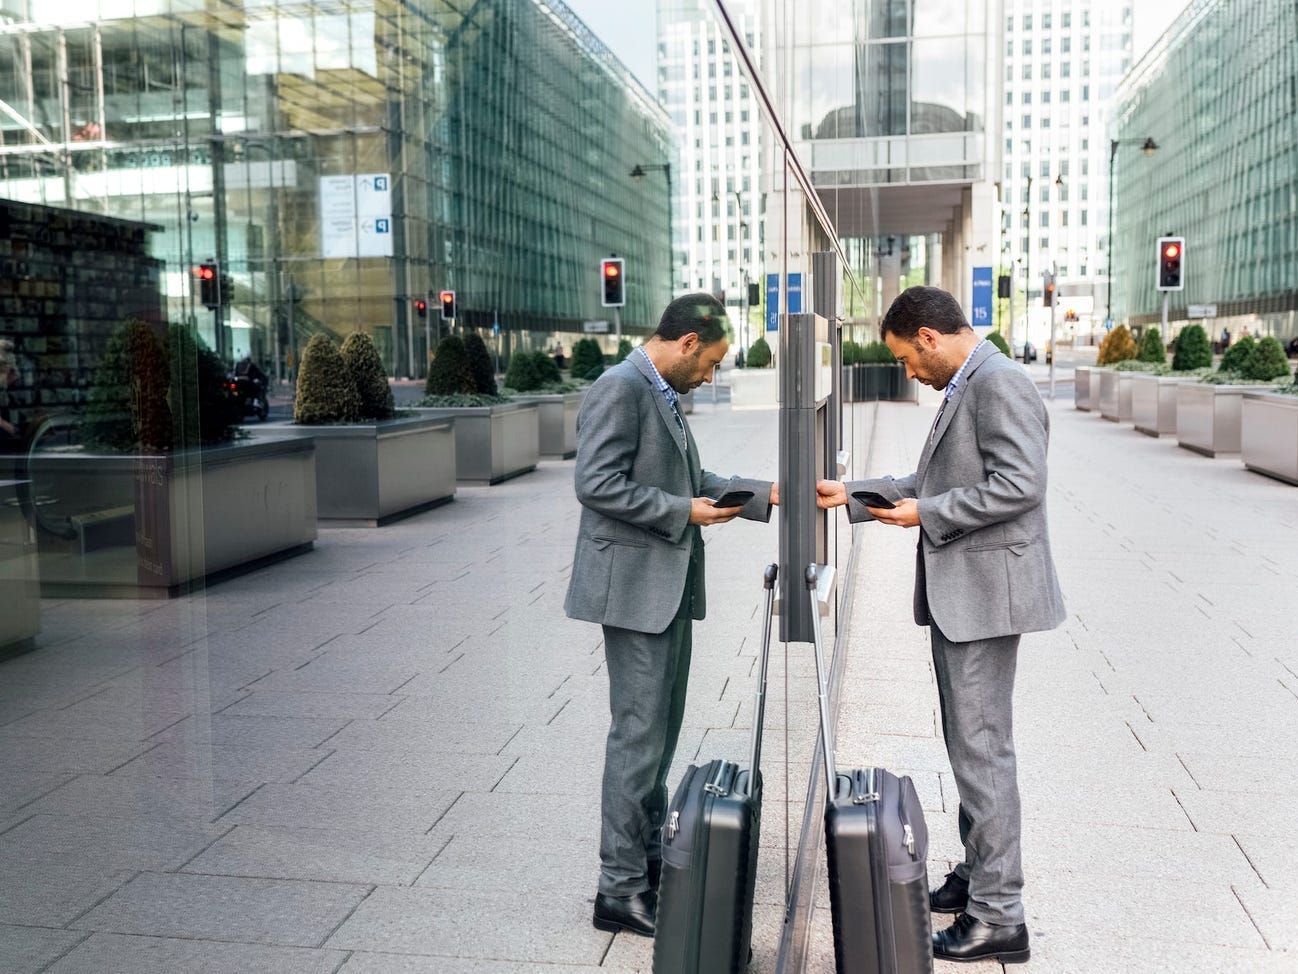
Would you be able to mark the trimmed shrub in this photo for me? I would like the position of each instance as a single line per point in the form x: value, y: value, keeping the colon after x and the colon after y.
x: 1118, y: 346
x: 459, y: 400
x: 202, y: 410
x: 586, y: 356
x: 851, y: 353
x: 1236, y: 355
x: 997, y: 339
x: 623, y: 350
x: 480, y: 364
x: 759, y: 356
x: 1266, y: 361
x: 325, y: 390
x: 547, y: 369
x: 127, y: 406
x: 369, y: 376
x: 522, y: 374
x: 1151, y: 347
x: 1192, y: 350
x: 878, y: 353
x: 450, y: 372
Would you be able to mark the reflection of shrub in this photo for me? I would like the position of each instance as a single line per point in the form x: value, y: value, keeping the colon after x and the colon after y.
x: 201, y: 408
x: 127, y: 405
x: 587, y: 357
x: 480, y: 364
x: 1118, y: 346
x: 368, y: 375
x: 997, y: 339
x: 546, y: 369
x: 450, y: 372
x: 851, y: 353
x: 1151, y: 347
x: 1237, y: 354
x: 325, y: 390
x: 759, y: 356
x: 522, y: 374
x: 1266, y: 361
x: 623, y: 350
x: 878, y: 353
x: 1191, y: 350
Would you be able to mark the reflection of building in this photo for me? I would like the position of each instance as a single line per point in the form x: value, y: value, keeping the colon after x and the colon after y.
x: 1061, y: 66
x: 718, y: 125
x: 342, y: 163
x: 890, y: 103
x: 1217, y: 95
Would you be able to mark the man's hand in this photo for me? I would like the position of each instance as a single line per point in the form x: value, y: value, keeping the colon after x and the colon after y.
x: 904, y: 515
x: 775, y: 494
x: 830, y: 493
x: 703, y: 511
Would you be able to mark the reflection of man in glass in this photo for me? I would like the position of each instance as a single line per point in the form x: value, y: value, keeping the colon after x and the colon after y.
x: 10, y: 436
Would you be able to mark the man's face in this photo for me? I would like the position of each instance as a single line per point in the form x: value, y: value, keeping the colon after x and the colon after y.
x: 694, y: 362
x: 926, y: 357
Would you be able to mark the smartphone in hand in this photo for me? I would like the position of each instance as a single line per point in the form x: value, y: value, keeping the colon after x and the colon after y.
x: 733, y: 498
x: 870, y: 499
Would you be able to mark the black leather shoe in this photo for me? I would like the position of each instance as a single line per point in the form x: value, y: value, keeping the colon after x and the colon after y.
x: 634, y: 914
x: 951, y: 897
x: 972, y: 939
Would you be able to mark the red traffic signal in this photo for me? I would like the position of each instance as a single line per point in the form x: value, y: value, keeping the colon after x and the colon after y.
x: 448, y: 305
x: 421, y: 308
x: 209, y: 284
x: 613, y: 283
x: 1171, y: 254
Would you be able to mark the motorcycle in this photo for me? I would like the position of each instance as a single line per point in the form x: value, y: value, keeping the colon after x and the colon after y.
x: 249, y: 395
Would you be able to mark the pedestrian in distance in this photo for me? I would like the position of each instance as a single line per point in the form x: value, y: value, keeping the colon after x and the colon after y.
x: 638, y: 572
x: 983, y: 576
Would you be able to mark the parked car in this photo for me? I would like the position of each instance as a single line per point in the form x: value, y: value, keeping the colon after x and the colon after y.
x: 1025, y: 352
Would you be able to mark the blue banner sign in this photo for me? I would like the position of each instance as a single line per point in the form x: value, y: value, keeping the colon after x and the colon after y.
x: 981, y: 313
x: 795, y: 294
x: 772, y: 302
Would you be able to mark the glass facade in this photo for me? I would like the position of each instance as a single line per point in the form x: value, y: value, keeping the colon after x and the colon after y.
x: 342, y: 160
x: 1225, y: 172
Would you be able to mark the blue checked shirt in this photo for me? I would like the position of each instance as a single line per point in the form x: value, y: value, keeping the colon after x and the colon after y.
x: 670, y: 394
x: 953, y: 385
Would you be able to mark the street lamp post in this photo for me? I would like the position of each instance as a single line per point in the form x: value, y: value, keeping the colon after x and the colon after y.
x: 638, y: 173
x: 1149, y: 147
x: 1027, y: 275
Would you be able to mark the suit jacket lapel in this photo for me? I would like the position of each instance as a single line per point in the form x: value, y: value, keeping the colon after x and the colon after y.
x: 948, y: 410
x: 665, y: 411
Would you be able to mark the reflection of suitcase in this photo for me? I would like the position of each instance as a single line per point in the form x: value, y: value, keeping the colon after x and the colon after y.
x: 877, y: 846
x: 705, y: 897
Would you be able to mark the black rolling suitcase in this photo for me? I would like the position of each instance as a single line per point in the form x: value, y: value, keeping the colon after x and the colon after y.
x: 709, y: 843
x: 877, y: 846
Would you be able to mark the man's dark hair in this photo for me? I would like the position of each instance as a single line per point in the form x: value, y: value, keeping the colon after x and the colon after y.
x: 922, y: 307
x: 699, y: 312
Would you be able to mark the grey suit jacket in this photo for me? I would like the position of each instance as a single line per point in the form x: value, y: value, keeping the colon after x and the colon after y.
x: 983, y: 565
x: 636, y: 475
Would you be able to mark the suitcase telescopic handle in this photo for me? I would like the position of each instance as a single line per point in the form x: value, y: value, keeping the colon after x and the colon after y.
x: 759, y: 706
x: 826, y: 738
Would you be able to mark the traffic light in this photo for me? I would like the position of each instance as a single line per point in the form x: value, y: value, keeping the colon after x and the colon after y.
x: 754, y: 294
x: 1048, y: 289
x: 421, y: 308
x: 1003, y: 286
x: 448, y: 305
x: 1171, y: 252
x: 614, y: 283
x: 209, y: 284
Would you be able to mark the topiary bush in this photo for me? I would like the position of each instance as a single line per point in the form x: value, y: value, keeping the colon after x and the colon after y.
x: 547, y: 369
x: 623, y: 350
x: 1236, y: 355
x: 878, y: 353
x: 522, y: 374
x: 450, y: 372
x: 1118, y: 346
x: 851, y: 353
x: 325, y: 390
x: 1266, y: 361
x: 1191, y: 350
x: 1151, y: 347
x: 997, y: 339
x: 369, y: 376
x: 480, y: 364
x: 127, y: 406
x: 586, y: 357
x: 202, y: 410
x: 759, y: 356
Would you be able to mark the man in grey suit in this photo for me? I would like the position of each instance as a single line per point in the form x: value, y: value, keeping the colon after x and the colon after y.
x: 638, y: 572
x: 983, y: 576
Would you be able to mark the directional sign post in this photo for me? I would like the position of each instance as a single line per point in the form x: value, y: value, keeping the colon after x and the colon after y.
x: 981, y: 312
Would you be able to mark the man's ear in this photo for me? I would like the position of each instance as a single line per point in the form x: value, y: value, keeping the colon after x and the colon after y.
x: 688, y: 343
x: 927, y: 337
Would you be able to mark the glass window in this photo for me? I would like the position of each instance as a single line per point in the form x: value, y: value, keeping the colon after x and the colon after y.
x: 1045, y: 72
x: 1027, y: 47
x: 1066, y: 19
x: 1045, y: 46
x: 1027, y: 98
x: 1044, y: 220
x: 1045, y: 21
x: 1027, y: 72
x: 1045, y: 97
x: 1027, y: 121
x: 884, y: 68
x: 1027, y: 21
x: 1065, y: 70
x: 1045, y: 194
x: 934, y: 17
x: 1065, y: 45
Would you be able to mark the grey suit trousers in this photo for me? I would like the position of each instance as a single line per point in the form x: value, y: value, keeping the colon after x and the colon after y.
x: 975, y: 682
x: 648, y: 674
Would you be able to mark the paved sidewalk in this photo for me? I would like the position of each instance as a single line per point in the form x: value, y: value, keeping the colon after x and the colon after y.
x: 384, y: 755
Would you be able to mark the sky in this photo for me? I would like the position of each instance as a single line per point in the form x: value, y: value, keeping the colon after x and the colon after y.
x: 628, y: 29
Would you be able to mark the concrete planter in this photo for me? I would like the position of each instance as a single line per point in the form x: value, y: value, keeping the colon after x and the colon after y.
x: 492, y: 443
x: 1208, y: 417
x: 1115, y: 396
x: 754, y: 388
x: 1085, y: 387
x: 1269, y: 435
x: 1153, y: 403
x: 370, y: 474
x: 557, y: 422
x: 150, y: 526
x: 20, y: 592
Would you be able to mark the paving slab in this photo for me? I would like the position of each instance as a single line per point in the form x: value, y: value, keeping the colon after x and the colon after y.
x: 327, y: 805
x: 26, y: 950
x: 102, y: 953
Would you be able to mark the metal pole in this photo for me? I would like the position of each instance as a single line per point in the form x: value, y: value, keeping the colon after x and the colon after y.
x: 1009, y: 331
x: 1054, y: 352
x: 617, y: 324
x: 1108, y: 313
x: 1027, y: 278
x: 1163, y: 336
